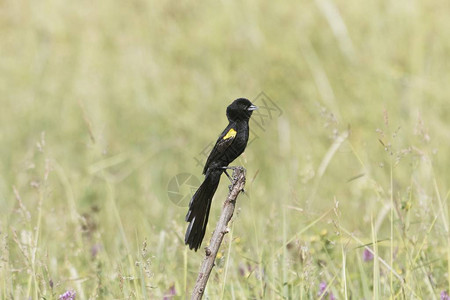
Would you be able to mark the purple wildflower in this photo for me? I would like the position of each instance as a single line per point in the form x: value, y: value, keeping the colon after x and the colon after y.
x: 241, y: 270
x: 444, y: 295
x: 170, y: 293
x: 69, y: 295
x: 246, y: 269
x: 367, y: 255
x: 95, y: 249
x: 322, y: 289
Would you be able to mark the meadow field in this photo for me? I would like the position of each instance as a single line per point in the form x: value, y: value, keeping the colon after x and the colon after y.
x: 107, y: 110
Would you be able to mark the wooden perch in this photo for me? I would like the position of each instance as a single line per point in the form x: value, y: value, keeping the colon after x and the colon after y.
x: 219, y: 233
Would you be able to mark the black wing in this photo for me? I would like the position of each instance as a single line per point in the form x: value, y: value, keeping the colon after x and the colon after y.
x: 223, y: 143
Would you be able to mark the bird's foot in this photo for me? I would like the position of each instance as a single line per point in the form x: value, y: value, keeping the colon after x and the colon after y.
x: 232, y: 180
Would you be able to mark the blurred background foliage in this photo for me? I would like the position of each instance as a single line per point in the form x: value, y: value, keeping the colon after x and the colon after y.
x: 103, y: 103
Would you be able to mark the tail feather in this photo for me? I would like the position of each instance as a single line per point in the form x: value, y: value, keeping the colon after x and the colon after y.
x: 199, y: 207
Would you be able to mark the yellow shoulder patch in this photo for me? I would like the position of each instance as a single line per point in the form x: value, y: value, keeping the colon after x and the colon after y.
x: 230, y: 134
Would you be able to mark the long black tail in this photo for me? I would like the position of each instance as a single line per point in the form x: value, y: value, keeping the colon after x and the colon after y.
x: 199, y: 206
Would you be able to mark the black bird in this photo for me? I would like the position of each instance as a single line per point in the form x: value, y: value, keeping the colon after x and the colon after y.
x: 230, y: 144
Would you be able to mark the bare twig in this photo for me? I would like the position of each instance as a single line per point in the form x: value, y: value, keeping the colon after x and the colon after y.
x: 219, y: 233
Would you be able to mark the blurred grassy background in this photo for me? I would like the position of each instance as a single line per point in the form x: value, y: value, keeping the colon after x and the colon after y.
x: 103, y: 103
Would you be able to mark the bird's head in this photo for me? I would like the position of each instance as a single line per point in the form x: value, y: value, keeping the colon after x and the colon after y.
x: 240, y: 109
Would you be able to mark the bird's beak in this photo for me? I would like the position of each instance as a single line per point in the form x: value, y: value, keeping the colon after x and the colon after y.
x: 252, y: 107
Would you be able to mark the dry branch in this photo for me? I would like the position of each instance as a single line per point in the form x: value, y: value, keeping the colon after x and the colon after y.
x: 219, y: 233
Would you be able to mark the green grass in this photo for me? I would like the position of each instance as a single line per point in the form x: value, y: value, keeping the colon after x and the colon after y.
x: 103, y: 103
